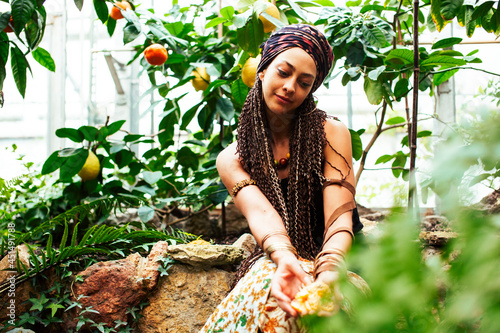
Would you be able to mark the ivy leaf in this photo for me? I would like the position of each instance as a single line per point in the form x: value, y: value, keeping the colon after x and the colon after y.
x: 38, y: 302
x: 44, y: 58
x: 19, y: 66
x: 54, y: 307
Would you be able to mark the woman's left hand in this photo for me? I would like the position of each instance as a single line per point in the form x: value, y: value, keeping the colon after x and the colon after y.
x: 287, y: 281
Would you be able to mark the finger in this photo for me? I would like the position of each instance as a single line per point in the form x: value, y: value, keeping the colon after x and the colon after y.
x: 285, y: 306
x: 280, y: 296
x: 301, y: 274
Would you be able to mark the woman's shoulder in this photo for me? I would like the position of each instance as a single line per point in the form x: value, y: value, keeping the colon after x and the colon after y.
x: 334, y: 128
x: 228, y: 156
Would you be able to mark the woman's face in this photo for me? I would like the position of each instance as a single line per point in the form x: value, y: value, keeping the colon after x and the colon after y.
x: 287, y: 80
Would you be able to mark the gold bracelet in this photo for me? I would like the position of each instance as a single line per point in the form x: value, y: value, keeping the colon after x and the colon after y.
x: 273, y: 233
x: 280, y: 247
x: 239, y: 185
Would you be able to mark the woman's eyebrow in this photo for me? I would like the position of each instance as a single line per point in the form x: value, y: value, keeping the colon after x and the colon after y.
x: 303, y: 74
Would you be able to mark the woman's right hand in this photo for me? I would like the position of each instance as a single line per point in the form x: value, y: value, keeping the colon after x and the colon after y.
x: 287, y: 280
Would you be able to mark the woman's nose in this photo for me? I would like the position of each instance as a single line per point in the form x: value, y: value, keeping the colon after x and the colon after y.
x: 289, y: 86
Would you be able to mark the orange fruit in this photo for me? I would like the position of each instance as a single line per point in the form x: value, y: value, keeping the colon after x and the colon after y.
x: 201, y: 79
x: 116, y: 12
x: 9, y: 26
x: 91, y: 168
x: 273, y: 11
x: 249, y: 71
x: 156, y: 54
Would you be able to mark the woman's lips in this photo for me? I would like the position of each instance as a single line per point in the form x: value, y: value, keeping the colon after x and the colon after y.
x: 283, y: 99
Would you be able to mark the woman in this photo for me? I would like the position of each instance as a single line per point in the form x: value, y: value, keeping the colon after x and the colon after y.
x: 287, y: 154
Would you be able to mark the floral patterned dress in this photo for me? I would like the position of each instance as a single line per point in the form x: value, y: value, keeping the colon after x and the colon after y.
x: 249, y: 307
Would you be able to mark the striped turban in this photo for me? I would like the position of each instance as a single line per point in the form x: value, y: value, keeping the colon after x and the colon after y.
x: 308, y: 38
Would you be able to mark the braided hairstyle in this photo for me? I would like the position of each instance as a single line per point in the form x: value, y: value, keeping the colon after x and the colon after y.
x: 306, y: 168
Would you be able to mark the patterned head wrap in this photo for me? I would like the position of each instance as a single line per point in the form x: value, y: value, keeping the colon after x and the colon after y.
x: 308, y: 38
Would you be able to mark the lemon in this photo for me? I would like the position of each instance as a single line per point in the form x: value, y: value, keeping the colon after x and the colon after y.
x: 273, y: 11
x: 91, y: 168
x: 201, y: 80
x: 249, y: 71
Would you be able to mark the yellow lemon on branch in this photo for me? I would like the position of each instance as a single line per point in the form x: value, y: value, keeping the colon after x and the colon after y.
x: 273, y: 11
x: 249, y: 71
x: 201, y: 79
x: 91, y: 168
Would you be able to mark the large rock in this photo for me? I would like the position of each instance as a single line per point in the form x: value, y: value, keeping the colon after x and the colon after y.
x: 184, y: 299
x: 206, y: 255
x: 247, y: 243
x: 436, y: 238
x: 13, y: 301
x: 112, y: 287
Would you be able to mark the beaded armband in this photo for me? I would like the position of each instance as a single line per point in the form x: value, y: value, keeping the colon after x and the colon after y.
x: 239, y: 185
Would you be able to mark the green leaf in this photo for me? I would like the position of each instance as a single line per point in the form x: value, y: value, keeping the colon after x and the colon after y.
x: 115, y: 127
x: 89, y: 132
x: 423, y: 134
x: 187, y: 158
x: 38, y: 303
x: 132, y: 137
x: 384, y: 159
x: 21, y: 11
x: 297, y: 10
x: 439, y: 78
x: 188, y: 116
x: 4, y: 48
x: 73, y: 164
x: 401, y: 88
x: 52, y: 163
x: 130, y: 33
x: 357, y: 145
x: 374, y: 91
x: 395, y: 120
x: 19, y: 65
x: 79, y: 4
x: 378, y: 8
x: 403, y: 56
x: 374, y: 35
x: 450, y: 8
x: 239, y: 91
x: 54, y: 307
x: 146, y: 213
x: 374, y: 74
x: 438, y: 20
x: 43, y: 57
x: 446, y: 42
x: 225, y: 108
x: 152, y: 177
x: 251, y: 36
x: 214, y: 22
x: 101, y: 10
x: 111, y: 26
x: 70, y: 133
x: 442, y: 60
x: 227, y: 12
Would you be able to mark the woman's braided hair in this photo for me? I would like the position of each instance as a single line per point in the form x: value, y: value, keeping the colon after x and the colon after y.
x: 305, y: 178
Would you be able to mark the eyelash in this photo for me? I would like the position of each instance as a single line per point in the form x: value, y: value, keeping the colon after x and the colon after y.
x: 282, y: 73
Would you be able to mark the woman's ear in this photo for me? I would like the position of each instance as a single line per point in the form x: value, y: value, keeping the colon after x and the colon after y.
x: 261, y: 74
